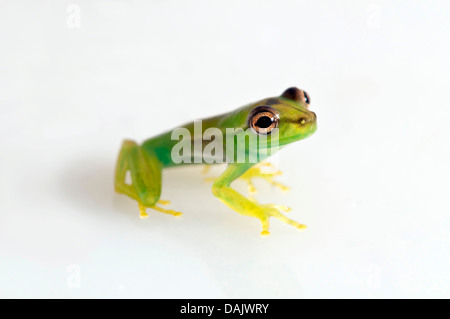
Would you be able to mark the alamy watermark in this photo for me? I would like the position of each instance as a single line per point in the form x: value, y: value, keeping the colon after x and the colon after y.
x: 373, y: 21
x: 229, y: 145
x: 73, y: 280
x: 74, y: 16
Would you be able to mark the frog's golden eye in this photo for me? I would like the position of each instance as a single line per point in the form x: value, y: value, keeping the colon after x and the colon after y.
x: 263, y: 120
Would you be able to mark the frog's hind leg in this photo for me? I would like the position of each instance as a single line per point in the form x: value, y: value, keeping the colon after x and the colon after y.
x: 145, y: 171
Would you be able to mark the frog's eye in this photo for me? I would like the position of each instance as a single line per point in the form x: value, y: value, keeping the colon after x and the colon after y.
x: 296, y: 94
x: 307, y: 98
x: 263, y: 120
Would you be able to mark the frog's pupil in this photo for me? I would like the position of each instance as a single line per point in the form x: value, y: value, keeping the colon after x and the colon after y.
x: 306, y: 98
x: 264, y: 122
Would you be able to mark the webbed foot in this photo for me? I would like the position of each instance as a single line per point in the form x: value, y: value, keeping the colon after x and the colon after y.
x: 265, y: 211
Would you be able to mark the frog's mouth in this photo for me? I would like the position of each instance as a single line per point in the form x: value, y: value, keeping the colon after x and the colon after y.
x: 303, y: 133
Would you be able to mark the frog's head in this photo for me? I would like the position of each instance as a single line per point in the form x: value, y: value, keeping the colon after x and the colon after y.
x: 289, y: 113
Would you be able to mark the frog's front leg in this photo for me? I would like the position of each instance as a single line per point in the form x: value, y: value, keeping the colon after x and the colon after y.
x: 145, y: 170
x: 244, y: 206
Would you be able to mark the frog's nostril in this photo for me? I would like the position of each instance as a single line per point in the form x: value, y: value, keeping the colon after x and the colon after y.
x: 309, y: 118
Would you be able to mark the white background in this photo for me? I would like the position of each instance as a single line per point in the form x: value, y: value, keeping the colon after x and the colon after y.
x: 372, y: 184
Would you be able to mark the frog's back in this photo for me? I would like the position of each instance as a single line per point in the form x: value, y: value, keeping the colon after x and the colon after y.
x: 162, y: 144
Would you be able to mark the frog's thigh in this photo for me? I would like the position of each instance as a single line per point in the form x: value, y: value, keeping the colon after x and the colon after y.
x: 145, y: 170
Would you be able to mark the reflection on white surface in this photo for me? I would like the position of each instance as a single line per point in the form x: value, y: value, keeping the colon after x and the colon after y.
x: 371, y: 184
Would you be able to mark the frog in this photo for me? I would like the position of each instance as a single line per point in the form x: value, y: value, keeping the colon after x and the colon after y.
x: 288, y: 115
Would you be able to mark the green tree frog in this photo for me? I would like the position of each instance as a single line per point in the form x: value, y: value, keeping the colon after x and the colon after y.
x: 277, y: 121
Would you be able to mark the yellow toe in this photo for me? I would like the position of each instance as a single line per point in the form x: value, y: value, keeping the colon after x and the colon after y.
x: 143, y: 215
x: 265, y: 233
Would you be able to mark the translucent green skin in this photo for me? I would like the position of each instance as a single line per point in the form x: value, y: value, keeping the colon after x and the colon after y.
x: 145, y: 162
x: 290, y: 129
